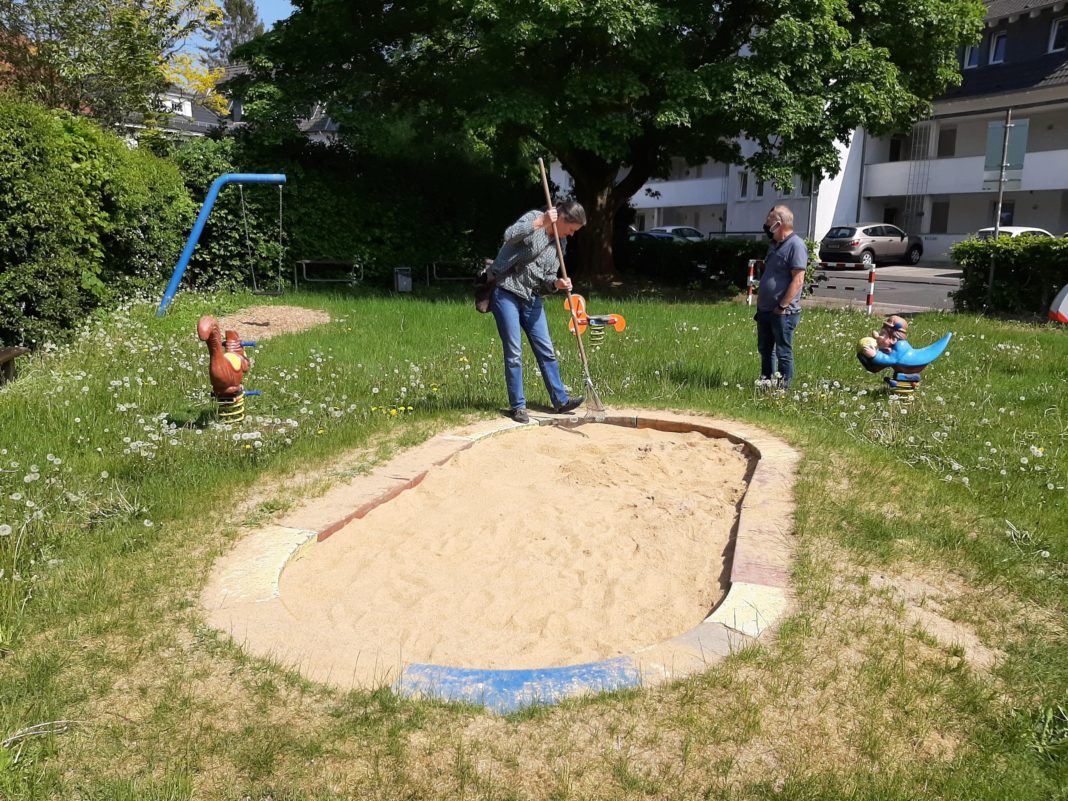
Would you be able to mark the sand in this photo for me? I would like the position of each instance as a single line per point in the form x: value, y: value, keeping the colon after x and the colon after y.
x: 541, y: 547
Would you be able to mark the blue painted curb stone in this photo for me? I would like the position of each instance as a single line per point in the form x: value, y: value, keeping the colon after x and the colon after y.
x: 505, y: 691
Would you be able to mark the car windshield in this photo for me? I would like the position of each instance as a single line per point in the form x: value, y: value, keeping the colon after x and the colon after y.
x: 841, y: 232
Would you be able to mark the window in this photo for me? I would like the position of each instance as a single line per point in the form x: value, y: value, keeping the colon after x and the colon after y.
x: 899, y: 147
x: 890, y: 215
x: 997, y: 48
x: 743, y: 184
x: 806, y: 186
x: 971, y: 57
x: 1008, y: 211
x: 940, y: 217
x: 760, y: 187
x: 1058, y: 36
x: 947, y: 143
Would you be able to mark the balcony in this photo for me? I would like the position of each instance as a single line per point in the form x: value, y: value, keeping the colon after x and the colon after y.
x: 1042, y: 170
x: 695, y: 192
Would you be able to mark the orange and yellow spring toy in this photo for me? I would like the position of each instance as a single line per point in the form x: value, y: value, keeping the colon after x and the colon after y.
x: 597, y: 325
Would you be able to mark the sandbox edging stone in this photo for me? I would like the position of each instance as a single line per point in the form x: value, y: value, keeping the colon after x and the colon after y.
x: 756, y: 599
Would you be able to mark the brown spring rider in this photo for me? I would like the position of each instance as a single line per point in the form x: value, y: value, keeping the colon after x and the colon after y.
x: 227, y: 365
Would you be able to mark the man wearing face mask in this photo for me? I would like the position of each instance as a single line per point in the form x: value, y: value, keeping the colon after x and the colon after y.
x: 779, y: 296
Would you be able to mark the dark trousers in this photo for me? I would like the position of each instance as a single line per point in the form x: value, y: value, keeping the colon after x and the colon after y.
x: 775, y: 341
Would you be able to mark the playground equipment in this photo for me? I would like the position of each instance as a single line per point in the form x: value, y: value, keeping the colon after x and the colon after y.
x: 227, y: 365
x: 597, y: 325
x: 888, y: 347
x: 202, y: 218
x: 1058, y: 310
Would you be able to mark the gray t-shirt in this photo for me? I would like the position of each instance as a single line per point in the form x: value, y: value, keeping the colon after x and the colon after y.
x: 779, y: 265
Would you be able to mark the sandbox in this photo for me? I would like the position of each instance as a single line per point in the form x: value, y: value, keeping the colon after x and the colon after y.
x: 506, y: 564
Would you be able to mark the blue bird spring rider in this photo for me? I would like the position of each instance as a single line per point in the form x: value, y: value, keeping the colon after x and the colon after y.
x: 889, y: 347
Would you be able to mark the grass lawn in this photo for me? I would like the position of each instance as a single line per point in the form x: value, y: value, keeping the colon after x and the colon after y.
x: 946, y: 513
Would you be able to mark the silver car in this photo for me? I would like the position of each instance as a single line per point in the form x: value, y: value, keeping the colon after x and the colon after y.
x: 680, y: 231
x: 869, y: 243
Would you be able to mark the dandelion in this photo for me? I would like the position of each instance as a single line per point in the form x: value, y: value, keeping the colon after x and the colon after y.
x: 103, y: 475
x: 147, y: 523
x: 5, y: 530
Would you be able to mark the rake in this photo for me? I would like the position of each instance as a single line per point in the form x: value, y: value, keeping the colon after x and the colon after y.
x: 593, y: 399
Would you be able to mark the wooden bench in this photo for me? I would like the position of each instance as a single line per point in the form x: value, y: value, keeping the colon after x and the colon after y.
x: 7, y: 362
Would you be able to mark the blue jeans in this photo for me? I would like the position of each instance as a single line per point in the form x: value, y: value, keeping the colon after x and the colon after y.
x: 513, y: 314
x: 775, y: 341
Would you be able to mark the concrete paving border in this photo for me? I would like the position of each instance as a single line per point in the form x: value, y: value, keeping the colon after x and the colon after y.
x: 243, y: 587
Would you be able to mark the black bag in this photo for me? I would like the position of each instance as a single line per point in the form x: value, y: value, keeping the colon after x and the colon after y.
x: 485, y: 283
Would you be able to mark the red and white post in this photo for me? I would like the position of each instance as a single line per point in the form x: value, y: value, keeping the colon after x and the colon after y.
x: 871, y: 289
x: 751, y: 280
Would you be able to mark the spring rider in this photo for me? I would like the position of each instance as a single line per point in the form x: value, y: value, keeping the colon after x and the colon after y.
x: 227, y: 365
x: 889, y: 347
x: 597, y: 325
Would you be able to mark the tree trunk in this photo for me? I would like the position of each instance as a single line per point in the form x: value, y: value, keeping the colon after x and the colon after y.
x: 593, y: 262
x: 599, y: 192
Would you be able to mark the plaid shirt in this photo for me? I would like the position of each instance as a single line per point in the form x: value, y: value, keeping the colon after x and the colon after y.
x: 532, y: 252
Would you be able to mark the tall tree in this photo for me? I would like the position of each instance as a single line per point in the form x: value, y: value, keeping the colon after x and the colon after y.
x: 240, y: 23
x: 107, y: 58
x: 615, y: 88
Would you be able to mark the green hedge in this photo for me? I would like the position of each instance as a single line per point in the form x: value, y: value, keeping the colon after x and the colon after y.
x: 83, y: 220
x: 339, y: 205
x: 1028, y: 273
x: 712, y: 261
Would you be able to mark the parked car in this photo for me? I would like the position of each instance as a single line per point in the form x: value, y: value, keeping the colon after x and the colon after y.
x: 681, y: 231
x: 1013, y: 231
x: 869, y: 243
x: 654, y: 235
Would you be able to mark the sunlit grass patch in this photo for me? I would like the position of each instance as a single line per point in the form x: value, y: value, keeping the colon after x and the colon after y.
x: 120, y: 487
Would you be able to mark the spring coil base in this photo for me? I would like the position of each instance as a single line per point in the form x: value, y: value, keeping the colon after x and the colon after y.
x: 231, y: 408
x: 596, y: 334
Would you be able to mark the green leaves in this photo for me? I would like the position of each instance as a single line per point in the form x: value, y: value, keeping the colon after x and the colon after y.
x: 614, y: 87
x: 82, y: 219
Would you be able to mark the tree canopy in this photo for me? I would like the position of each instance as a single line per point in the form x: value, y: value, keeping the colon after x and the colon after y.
x: 107, y: 58
x: 240, y: 23
x: 615, y: 88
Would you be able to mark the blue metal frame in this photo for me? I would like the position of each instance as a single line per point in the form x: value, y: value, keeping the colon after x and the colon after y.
x: 202, y: 218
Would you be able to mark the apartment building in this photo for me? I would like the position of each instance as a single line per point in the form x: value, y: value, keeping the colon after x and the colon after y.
x: 939, y: 180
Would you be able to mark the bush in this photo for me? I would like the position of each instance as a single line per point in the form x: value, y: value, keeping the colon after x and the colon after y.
x: 724, y: 261
x: 383, y: 212
x: 1028, y: 272
x: 82, y: 220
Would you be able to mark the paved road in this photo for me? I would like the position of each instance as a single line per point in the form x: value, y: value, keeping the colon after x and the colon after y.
x: 898, y: 288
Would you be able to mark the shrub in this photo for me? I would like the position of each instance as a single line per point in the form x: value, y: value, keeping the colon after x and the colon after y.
x: 1028, y: 272
x: 82, y: 219
x: 383, y: 212
x: 683, y: 263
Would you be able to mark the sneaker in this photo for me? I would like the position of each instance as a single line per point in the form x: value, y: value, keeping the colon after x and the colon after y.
x: 520, y: 415
x: 573, y: 403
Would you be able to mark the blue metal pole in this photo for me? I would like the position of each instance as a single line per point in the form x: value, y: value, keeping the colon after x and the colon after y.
x: 202, y: 218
